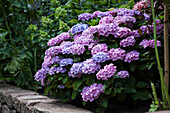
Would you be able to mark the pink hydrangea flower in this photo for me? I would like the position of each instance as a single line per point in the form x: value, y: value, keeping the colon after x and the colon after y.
x: 106, y: 72
x: 117, y: 54
x: 99, y: 48
x: 92, y: 92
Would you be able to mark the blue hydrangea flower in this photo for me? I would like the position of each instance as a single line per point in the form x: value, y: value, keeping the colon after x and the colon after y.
x: 65, y: 62
x: 100, y: 57
x: 78, y: 28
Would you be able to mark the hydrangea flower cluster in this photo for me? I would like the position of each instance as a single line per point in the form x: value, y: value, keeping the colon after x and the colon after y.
x: 54, y: 70
x: 76, y: 70
x: 74, y: 49
x: 135, y: 33
x: 107, y: 29
x: 117, y: 54
x: 78, y: 28
x: 85, y: 16
x: 124, y: 19
x: 129, y: 41
x: 88, y: 40
x: 99, y: 48
x: 89, y: 66
x: 149, y: 43
x: 100, y: 57
x: 52, y: 51
x: 106, y: 72
x: 106, y: 20
x: 124, y: 12
x: 84, y: 40
x: 59, y: 38
x: 48, y: 61
x: 123, y: 74
x: 92, y: 92
x: 142, y: 4
x: 122, y: 32
x: 131, y: 56
x: 41, y: 74
x: 65, y: 62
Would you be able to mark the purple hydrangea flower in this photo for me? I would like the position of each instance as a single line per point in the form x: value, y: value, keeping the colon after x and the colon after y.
x: 124, y: 20
x: 106, y: 72
x: 159, y: 28
x: 77, y: 49
x: 137, y: 13
x: 41, y: 74
x: 52, y: 51
x: 76, y: 70
x: 90, y: 30
x: 48, y: 61
x: 144, y: 43
x: 85, y: 16
x: 149, y: 43
x: 89, y: 66
x: 103, y: 14
x: 116, y: 54
x: 61, y: 86
x: 84, y: 40
x: 145, y: 29
x: 92, y: 92
x: 152, y: 44
x: 129, y: 41
x: 124, y: 12
x: 147, y: 17
x: 78, y: 28
x: 106, y: 20
x: 131, y: 56
x: 100, y: 57
x: 123, y: 74
x: 106, y: 29
x: 65, y: 62
x: 99, y: 48
x: 59, y: 38
x: 60, y: 69
x: 135, y: 33
x: 52, y: 70
x: 122, y: 32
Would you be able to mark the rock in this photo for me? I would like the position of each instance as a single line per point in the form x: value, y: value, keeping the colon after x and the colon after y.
x: 5, y: 109
x: 13, y: 111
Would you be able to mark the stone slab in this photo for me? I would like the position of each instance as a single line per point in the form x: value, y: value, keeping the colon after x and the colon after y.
x: 13, y: 100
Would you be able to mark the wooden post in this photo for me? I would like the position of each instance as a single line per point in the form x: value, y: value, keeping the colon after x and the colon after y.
x: 166, y: 47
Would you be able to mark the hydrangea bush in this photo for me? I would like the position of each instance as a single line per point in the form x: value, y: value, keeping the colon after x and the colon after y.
x: 106, y: 55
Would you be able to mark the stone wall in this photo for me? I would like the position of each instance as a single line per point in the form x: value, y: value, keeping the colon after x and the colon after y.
x: 17, y: 100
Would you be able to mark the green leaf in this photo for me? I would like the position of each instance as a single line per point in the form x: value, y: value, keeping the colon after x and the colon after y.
x: 3, y: 33
x: 141, y: 95
x: 141, y: 84
x: 74, y: 93
x: 130, y: 90
x: 154, y: 107
x: 73, y: 21
x: 130, y: 82
x: 103, y: 102
x: 90, y: 81
x: 118, y: 90
x: 107, y: 92
x: 133, y: 67
x: 77, y: 83
x: 69, y: 83
x: 118, y: 84
x: 13, y: 65
x: 65, y: 79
